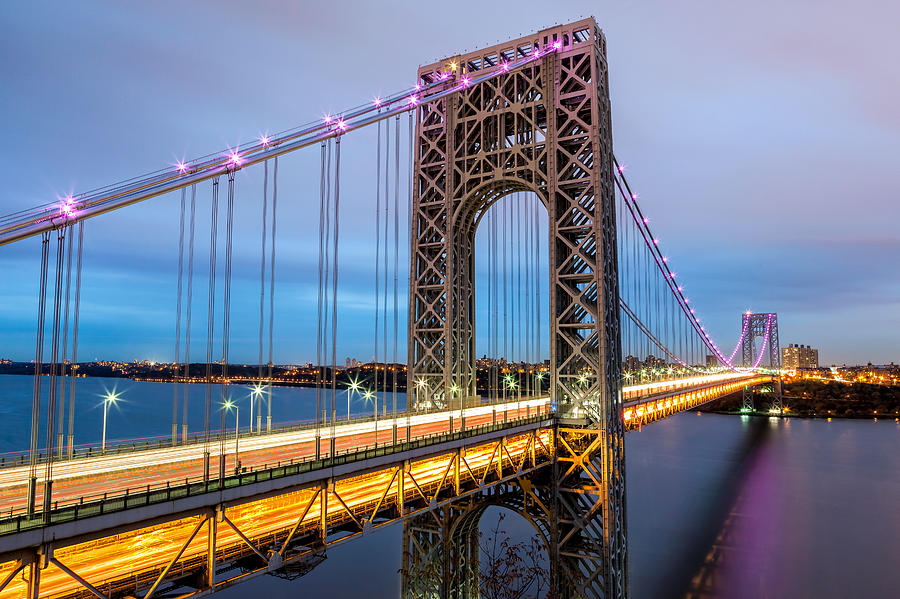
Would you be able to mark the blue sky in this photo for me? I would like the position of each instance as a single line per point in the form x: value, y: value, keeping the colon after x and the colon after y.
x: 763, y: 139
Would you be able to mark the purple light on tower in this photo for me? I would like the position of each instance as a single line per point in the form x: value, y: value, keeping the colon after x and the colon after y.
x: 377, y: 102
x: 181, y: 166
x: 328, y: 118
x: 413, y: 100
x: 234, y: 159
x: 264, y: 140
x: 504, y: 67
x: 465, y: 81
x: 557, y: 45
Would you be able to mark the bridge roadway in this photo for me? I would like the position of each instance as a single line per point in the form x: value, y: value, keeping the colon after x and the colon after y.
x: 291, y: 519
x: 87, y: 479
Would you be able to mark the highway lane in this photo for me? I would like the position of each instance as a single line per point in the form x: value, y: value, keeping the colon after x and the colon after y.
x: 92, y: 477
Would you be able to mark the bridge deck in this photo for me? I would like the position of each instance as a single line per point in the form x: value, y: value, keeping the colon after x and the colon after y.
x: 271, y: 521
x: 287, y: 512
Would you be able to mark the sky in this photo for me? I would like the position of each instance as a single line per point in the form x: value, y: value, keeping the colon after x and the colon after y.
x: 763, y: 138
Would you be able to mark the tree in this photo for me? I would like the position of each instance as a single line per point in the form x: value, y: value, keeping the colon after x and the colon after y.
x: 511, y: 570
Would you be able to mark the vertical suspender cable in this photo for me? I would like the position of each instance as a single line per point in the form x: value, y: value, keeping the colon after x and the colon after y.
x: 520, y: 321
x: 226, y: 317
x: 412, y: 233
x: 178, y: 319
x: 377, y: 246
x: 54, y: 357
x: 495, y: 324
x: 505, y: 309
x: 187, y: 324
x: 38, y: 371
x: 60, y: 433
x: 76, y: 310
x: 271, y: 299
x: 537, y: 285
x: 384, y: 297
x: 526, y: 291
x: 488, y: 217
x: 210, y: 317
x: 262, y: 296
x: 334, y: 284
x: 319, y: 327
x: 396, y: 265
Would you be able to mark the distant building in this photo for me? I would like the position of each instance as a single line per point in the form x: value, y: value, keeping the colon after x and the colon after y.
x: 711, y: 361
x: 799, y: 357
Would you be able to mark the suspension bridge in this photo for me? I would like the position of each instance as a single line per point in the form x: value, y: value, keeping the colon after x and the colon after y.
x: 585, y: 331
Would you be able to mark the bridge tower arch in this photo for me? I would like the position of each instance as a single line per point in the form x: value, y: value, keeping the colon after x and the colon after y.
x: 762, y: 325
x: 544, y: 128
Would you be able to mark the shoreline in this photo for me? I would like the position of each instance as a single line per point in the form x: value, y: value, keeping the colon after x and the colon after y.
x: 800, y: 416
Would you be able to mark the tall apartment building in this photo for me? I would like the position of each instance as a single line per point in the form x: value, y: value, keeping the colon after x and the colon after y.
x: 799, y: 357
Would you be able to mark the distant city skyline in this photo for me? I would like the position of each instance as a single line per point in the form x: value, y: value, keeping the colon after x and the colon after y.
x: 764, y: 152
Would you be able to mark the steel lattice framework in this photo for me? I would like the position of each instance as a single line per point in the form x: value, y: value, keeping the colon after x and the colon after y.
x: 544, y: 128
x: 765, y: 325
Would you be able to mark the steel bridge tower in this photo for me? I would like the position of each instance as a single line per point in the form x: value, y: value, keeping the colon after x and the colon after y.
x: 765, y: 325
x: 546, y: 129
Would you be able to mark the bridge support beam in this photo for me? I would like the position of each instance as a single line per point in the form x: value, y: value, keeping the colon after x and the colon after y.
x: 580, y: 529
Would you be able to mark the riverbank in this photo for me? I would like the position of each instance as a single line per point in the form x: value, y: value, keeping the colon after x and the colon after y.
x: 823, y: 399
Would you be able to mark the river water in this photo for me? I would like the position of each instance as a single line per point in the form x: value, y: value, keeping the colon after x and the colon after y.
x: 718, y: 506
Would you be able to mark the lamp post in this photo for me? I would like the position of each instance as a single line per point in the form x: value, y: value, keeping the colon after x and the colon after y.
x: 420, y: 384
x: 109, y: 398
x: 256, y: 392
x: 354, y: 386
x: 237, y: 420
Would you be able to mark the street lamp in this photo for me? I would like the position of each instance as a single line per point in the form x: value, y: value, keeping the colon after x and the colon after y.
x: 256, y: 392
x: 420, y: 384
x: 228, y: 404
x: 354, y: 386
x: 109, y: 398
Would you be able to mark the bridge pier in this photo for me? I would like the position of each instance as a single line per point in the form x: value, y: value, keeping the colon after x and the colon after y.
x: 211, y: 530
x: 581, y: 531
